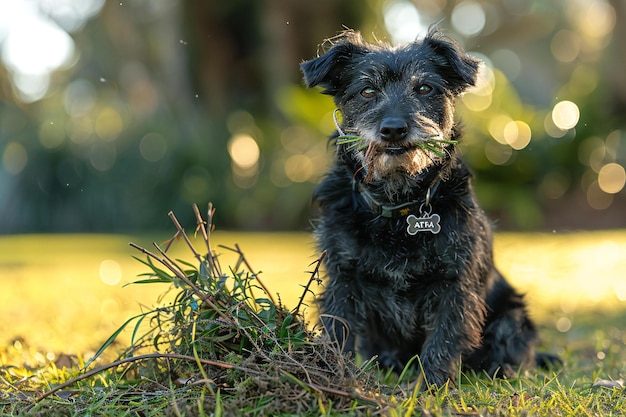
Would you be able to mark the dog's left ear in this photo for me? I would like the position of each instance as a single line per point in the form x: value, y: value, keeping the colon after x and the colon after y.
x: 456, y: 66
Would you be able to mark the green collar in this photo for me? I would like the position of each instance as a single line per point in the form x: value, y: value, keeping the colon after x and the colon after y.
x: 401, y: 210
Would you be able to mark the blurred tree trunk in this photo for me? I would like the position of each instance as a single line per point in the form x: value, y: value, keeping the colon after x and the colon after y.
x: 244, y: 51
x: 617, y: 61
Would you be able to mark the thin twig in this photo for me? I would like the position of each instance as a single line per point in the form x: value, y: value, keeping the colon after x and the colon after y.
x: 315, y: 273
x: 120, y: 362
x: 206, y: 229
x: 243, y: 259
x: 169, y: 242
x: 170, y: 262
x: 182, y: 232
x: 329, y: 390
x: 201, y: 225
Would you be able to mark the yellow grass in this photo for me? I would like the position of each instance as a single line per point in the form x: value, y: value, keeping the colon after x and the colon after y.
x: 66, y: 294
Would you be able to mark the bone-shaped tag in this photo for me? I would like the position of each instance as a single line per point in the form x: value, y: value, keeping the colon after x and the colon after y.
x: 426, y: 223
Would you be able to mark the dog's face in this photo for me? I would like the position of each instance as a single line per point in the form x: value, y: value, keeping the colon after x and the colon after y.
x: 398, y: 101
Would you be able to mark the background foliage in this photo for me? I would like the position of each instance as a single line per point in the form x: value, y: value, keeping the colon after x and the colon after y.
x: 113, y: 113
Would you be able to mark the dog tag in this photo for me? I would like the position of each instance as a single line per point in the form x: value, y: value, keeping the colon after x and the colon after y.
x: 425, y: 223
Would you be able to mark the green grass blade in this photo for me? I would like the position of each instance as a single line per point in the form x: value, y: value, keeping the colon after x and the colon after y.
x: 114, y: 336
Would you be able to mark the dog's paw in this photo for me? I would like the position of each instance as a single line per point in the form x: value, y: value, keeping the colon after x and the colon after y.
x: 389, y: 359
x: 436, y: 378
x: 548, y: 361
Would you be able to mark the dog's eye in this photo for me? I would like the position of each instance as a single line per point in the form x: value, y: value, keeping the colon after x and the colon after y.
x: 424, y: 89
x: 368, y: 92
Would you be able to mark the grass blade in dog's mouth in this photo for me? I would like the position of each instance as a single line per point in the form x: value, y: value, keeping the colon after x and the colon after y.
x: 344, y: 139
x: 430, y: 144
x: 435, y: 145
x: 354, y: 141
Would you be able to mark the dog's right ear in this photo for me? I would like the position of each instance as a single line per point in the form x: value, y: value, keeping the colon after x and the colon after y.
x: 326, y: 70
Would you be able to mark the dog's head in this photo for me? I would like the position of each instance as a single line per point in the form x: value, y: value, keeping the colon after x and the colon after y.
x: 397, y: 103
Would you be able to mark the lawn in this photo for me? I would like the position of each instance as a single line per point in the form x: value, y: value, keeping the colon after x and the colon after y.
x: 64, y: 295
x: 68, y: 293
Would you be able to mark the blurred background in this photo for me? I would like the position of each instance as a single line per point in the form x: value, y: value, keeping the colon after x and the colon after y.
x: 114, y: 113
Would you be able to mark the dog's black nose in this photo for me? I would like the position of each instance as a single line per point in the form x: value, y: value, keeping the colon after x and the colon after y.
x: 393, y: 129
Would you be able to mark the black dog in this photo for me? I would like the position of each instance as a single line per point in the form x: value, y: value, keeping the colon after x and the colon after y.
x: 409, y: 251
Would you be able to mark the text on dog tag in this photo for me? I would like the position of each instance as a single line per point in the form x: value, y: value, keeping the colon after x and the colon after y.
x: 425, y: 223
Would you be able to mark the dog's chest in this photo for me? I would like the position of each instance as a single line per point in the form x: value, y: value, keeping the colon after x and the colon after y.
x: 389, y: 256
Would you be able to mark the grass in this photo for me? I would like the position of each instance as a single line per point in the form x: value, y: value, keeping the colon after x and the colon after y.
x: 434, y: 144
x: 220, y: 343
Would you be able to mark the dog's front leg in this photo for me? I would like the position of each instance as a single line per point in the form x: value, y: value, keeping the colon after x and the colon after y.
x: 338, y: 312
x: 453, y: 328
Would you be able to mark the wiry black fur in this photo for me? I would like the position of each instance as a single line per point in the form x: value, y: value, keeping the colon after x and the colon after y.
x: 436, y: 295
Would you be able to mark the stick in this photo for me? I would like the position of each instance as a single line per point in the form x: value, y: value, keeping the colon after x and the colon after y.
x: 315, y: 273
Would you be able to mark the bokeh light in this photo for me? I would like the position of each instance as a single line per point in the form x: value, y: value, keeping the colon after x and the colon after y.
x: 110, y: 272
x: 594, y: 19
x: 508, y: 62
x: 71, y: 15
x: 563, y: 324
x: 612, y: 178
x: 496, y: 127
x: 402, y: 21
x: 565, y: 45
x: 597, y: 198
x: 468, y: 18
x: 480, y: 97
x: 591, y: 153
x: 36, y: 46
x: 37, y: 41
x: 244, y: 153
x: 153, y: 147
x: 552, y: 129
x: 14, y: 158
x: 517, y: 134
x: 243, y: 150
x: 108, y: 124
x: 565, y: 114
x: 299, y: 168
x: 497, y: 153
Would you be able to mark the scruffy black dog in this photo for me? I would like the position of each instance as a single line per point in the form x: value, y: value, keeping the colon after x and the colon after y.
x: 409, y: 251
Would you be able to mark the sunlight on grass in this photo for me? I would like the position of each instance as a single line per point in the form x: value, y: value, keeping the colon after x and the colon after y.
x: 566, y: 272
x: 66, y: 294
x: 58, y: 296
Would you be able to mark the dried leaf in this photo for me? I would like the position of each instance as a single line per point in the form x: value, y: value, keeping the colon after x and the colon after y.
x: 605, y: 383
